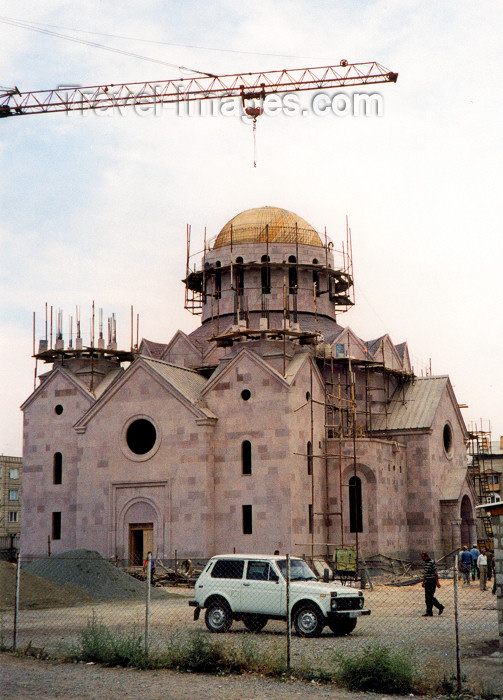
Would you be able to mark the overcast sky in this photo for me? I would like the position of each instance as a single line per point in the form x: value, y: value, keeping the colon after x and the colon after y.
x: 95, y: 206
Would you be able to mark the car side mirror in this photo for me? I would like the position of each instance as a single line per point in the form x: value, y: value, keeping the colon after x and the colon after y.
x: 326, y: 575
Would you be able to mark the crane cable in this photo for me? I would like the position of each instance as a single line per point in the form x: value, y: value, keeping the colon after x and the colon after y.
x: 94, y: 44
x: 35, y: 25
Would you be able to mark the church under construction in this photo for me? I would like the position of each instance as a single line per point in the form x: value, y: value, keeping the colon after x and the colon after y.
x: 269, y: 427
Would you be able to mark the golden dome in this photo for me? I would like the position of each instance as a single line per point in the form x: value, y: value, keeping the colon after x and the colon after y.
x: 267, y: 224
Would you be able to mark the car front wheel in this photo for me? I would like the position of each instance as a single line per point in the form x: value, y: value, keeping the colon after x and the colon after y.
x: 308, y: 621
x: 218, y: 617
x: 343, y: 626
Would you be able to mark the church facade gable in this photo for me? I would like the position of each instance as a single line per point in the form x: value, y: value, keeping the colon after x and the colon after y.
x: 181, y: 351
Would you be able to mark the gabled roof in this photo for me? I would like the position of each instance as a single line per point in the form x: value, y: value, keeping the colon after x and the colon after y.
x: 356, y: 347
x: 180, y: 335
x: 226, y: 366
x: 374, y: 345
x: 150, y: 349
x: 403, y: 352
x: 188, y: 382
x: 69, y: 376
x: 183, y: 382
x: 422, y: 397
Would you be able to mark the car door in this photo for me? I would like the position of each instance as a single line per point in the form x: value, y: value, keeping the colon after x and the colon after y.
x: 262, y: 589
x: 227, y: 580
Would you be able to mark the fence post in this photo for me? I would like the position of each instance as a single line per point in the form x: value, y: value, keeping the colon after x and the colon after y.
x: 147, y: 607
x: 288, y: 617
x: 16, y: 601
x: 456, y: 624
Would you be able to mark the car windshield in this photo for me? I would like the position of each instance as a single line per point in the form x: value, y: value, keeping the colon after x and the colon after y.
x: 299, y: 570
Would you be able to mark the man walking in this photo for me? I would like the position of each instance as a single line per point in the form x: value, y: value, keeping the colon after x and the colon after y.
x: 475, y: 555
x: 430, y: 584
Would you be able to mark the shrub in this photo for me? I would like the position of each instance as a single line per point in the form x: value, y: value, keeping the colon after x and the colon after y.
x: 199, y: 652
x: 377, y: 668
x: 98, y: 643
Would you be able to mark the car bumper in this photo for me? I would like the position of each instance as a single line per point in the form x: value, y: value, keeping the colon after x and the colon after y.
x: 337, y: 614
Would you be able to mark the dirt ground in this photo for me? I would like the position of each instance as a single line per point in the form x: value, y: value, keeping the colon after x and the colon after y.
x: 396, y: 620
x: 28, y: 678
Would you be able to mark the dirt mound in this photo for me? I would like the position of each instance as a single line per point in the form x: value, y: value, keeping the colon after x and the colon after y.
x: 90, y: 572
x: 35, y: 592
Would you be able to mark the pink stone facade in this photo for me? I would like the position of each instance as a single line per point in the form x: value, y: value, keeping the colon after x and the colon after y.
x: 251, y: 442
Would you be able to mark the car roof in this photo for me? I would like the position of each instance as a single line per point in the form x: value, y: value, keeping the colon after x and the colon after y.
x: 251, y: 556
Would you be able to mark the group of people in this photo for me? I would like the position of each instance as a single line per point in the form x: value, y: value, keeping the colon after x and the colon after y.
x: 472, y: 563
x: 477, y: 564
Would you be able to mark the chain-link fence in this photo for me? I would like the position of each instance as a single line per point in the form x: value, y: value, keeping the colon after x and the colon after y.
x: 46, y: 603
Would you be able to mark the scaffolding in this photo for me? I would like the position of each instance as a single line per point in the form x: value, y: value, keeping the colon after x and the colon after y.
x: 480, y: 465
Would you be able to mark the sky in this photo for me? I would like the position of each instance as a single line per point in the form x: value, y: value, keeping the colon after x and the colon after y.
x: 94, y: 207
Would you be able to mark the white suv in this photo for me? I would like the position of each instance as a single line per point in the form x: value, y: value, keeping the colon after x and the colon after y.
x: 252, y: 588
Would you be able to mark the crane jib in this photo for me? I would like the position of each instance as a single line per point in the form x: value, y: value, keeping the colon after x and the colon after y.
x: 245, y: 86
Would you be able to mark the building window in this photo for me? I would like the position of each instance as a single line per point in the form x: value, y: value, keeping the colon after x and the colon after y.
x: 57, y: 471
x: 247, y: 520
x: 265, y: 275
x: 58, y: 410
x: 14, y: 474
x: 218, y: 281
x: 310, y: 518
x: 246, y: 457
x: 292, y: 275
x: 13, y: 516
x: 447, y: 438
x: 56, y: 526
x: 355, y: 505
x: 316, y: 282
x: 246, y: 394
x: 493, y: 479
x: 239, y: 277
x: 13, y: 494
x: 309, y: 458
x: 141, y: 436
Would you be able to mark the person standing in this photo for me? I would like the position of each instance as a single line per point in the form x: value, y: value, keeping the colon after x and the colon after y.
x: 152, y: 565
x: 475, y: 555
x: 430, y: 584
x: 490, y: 559
x: 482, y: 567
x: 465, y: 561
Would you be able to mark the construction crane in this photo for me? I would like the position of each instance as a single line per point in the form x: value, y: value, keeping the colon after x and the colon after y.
x: 247, y: 86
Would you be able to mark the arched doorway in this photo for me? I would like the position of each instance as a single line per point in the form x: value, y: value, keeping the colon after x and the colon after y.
x: 140, y: 521
x: 467, y: 521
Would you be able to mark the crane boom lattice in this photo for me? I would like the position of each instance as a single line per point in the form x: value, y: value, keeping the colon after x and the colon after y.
x: 243, y: 85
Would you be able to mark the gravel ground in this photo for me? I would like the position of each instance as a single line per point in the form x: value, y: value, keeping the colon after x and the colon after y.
x: 396, y: 620
x: 28, y: 678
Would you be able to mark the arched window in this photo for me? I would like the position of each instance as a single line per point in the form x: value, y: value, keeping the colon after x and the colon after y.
x: 355, y: 505
x: 246, y: 457
x: 309, y: 458
x: 265, y: 274
x: 292, y: 275
x: 218, y: 281
x: 239, y: 276
x: 57, y: 468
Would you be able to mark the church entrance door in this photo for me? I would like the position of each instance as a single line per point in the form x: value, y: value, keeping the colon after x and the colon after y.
x: 141, y: 541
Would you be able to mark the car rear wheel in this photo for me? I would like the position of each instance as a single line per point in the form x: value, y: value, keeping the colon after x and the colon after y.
x: 308, y: 621
x: 254, y: 623
x: 218, y: 617
x: 342, y: 626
